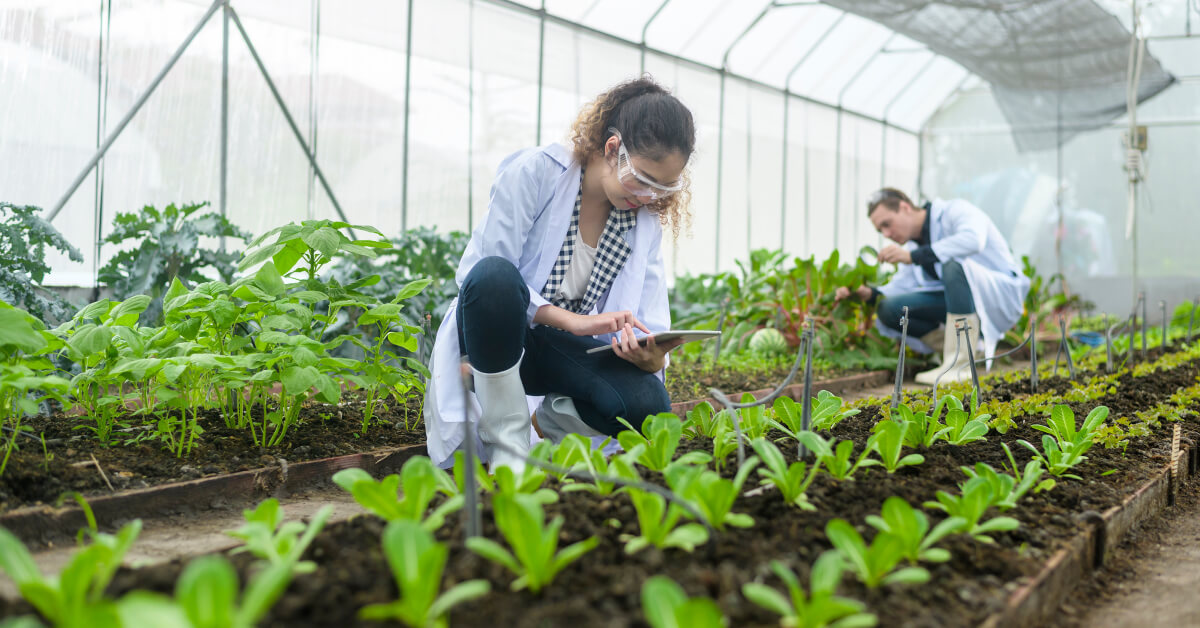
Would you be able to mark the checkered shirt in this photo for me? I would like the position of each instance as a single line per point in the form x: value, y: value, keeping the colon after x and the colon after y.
x: 612, y: 251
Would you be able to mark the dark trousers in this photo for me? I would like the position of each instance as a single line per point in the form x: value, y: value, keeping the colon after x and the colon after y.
x: 493, y: 331
x: 927, y: 310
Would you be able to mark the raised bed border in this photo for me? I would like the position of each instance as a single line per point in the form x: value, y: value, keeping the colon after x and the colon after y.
x: 1036, y: 602
x: 45, y: 524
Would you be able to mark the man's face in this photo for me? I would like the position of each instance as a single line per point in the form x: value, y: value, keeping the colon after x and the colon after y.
x: 899, y: 225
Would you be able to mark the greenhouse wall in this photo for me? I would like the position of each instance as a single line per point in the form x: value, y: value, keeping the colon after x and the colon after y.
x: 72, y: 68
x: 968, y: 152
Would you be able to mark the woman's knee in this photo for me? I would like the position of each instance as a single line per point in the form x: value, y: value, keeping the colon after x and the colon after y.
x: 494, y: 280
x: 952, y: 271
x: 637, y: 402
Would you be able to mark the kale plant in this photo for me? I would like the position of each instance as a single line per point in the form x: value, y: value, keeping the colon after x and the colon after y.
x: 24, y: 237
x: 168, y: 246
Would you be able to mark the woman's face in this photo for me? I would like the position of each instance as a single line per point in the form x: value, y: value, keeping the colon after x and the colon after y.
x: 630, y: 188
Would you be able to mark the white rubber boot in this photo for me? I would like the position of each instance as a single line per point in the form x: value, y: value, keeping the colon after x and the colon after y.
x: 935, y: 340
x: 557, y: 417
x: 953, y: 349
x: 504, y: 424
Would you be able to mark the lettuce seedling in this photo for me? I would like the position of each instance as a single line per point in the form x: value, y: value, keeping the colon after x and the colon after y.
x: 834, y: 455
x: 962, y: 428
x: 534, y: 558
x: 667, y: 606
x: 483, y: 481
x: 818, y: 609
x: 1033, y: 471
x: 659, y: 438
x: 74, y: 598
x: 703, y: 421
x: 713, y: 495
x: 420, y: 481
x: 827, y: 411
x: 725, y: 443
x: 977, y: 496
x: 529, y: 482
x: 658, y: 520
x: 873, y: 565
x: 417, y: 563
x: 577, y: 450
x: 920, y: 430
x: 1063, y: 445
x: 753, y: 420
x: 268, y: 537
x: 888, y: 442
x: 206, y: 592
x: 1007, y: 489
x: 911, y: 528
x: 791, y: 480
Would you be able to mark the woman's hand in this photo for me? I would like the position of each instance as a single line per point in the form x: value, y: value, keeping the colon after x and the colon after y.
x: 603, y: 323
x: 649, y: 357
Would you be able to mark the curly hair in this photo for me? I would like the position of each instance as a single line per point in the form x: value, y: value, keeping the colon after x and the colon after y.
x: 653, y: 124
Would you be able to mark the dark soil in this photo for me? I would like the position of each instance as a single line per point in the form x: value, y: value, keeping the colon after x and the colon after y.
x: 603, y: 589
x: 324, y: 431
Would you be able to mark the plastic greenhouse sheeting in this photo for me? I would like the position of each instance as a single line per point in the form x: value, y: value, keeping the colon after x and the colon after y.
x: 1054, y: 65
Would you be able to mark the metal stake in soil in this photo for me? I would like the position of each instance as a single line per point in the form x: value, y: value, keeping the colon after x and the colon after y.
x: 1033, y: 372
x: 1162, y: 305
x: 958, y: 331
x: 1129, y: 352
x: 1142, y: 300
x: 1108, y: 363
x: 720, y: 329
x: 971, y: 361
x: 900, y: 360
x: 471, y: 495
x: 1192, y: 318
x: 1064, y: 348
x: 806, y: 405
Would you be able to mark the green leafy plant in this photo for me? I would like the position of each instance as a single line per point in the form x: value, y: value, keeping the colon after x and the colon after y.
x: 978, y: 494
x: 167, y: 246
x: 658, y: 520
x: 827, y: 412
x: 911, y: 528
x: 421, y: 482
x: 712, y: 494
x: 25, y: 378
x: 24, y: 238
x: 75, y: 598
x: 888, y: 442
x: 269, y: 538
x: 576, y: 452
x: 703, y: 421
x: 820, y: 607
x: 1008, y: 489
x: 658, y: 440
x: 873, y: 564
x: 207, y: 590
x: 667, y: 606
x: 417, y: 563
x: 534, y: 558
x: 791, y: 480
x: 835, y: 456
x: 1063, y: 446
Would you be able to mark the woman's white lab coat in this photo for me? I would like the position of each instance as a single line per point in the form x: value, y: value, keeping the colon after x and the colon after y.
x: 529, y: 212
x: 961, y: 232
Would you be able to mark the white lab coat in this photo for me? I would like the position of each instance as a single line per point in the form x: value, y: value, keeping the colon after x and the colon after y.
x: 529, y: 212
x: 961, y: 232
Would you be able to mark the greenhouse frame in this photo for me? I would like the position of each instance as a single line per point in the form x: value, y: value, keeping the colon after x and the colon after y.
x: 585, y: 313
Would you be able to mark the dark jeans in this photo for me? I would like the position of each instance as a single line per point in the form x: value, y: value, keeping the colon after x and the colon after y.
x: 927, y: 310
x: 492, y: 331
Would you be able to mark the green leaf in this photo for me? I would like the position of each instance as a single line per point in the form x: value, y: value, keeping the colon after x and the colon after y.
x: 90, y: 339
x: 207, y: 590
x: 297, y: 380
x: 126, y: 313
x: 325, y: 240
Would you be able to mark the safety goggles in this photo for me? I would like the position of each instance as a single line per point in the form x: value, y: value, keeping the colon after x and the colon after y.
x: 635, y: 182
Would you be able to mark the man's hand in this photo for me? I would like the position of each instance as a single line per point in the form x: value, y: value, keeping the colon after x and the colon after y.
x: 862, y: 292
x: 893, y: 254
x: 650, y: 357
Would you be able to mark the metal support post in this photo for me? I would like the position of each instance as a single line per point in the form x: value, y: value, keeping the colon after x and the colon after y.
x: 896, y: 392
x: 137, y: 106
x: 806, y: 404
x: 1162, y: 305
x: 288, y: 116
x: 470, y: 493
x: 1033, y: 365
x: 223, y: 185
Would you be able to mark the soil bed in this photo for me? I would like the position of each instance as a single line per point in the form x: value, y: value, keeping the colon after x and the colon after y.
x: 603, y: 589
x: 323, y: 432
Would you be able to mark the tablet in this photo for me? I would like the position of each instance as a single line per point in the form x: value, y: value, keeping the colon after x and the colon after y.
x: 663, y: 336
